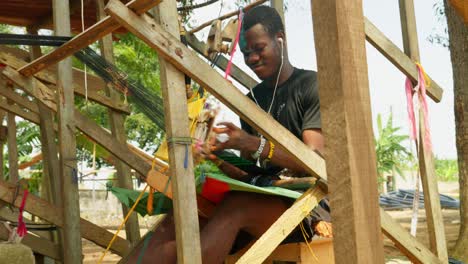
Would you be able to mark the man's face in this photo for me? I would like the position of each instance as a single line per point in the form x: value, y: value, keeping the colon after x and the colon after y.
x: 262, y: 52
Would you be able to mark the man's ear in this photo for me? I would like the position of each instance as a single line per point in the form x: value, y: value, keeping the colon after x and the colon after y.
x: 280, y: 37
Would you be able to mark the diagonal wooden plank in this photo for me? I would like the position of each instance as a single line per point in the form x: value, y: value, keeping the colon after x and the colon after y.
x: 408, y: 244
x: 53, y: 214
x: 84, y: 39
x: 397, y: 57
x: 15, y: 109
x: 286, y: 223
x: 186, y: 61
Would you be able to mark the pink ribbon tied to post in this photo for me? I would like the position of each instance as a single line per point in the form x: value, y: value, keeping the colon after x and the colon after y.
x: 227, y: 73
x: 420, y: 91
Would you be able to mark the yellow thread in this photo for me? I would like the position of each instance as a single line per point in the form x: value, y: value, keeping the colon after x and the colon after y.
x: 272, y: 150
x: 427, y: 80
x: 304, y: 233
x: 123, y: 223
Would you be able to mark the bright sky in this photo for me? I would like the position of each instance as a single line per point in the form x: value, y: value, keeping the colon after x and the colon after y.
x: 385, y: 81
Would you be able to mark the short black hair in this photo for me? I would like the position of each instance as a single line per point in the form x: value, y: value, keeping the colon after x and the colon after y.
x: 266, y: 16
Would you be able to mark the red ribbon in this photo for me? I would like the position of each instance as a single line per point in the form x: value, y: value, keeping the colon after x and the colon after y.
x: 22, y: 230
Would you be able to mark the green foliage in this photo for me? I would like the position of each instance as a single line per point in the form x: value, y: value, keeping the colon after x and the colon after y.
x: 143, y: 131
x: 34, y: 181
x: 27, y: 138
x: 446, y: 169
x: 391, y: 155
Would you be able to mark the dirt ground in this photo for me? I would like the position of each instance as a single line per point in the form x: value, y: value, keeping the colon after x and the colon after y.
x: 92, y: 253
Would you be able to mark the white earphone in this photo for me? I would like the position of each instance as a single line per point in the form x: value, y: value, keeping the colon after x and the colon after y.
x: 280, y: 40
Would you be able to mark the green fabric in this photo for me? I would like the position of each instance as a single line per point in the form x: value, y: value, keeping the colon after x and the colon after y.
x: 235, y: 185
x: 161, y: 203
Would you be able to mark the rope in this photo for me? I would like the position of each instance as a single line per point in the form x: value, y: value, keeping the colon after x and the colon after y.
x: 122, y: 224
x: 182, y: 141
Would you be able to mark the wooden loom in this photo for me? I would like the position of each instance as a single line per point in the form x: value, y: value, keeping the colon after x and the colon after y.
x: 178, y: 58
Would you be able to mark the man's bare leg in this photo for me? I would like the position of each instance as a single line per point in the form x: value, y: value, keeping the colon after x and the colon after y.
x: 251, y: 212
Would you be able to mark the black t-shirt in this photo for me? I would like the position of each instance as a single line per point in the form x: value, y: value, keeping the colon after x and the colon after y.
x: 296, y: 104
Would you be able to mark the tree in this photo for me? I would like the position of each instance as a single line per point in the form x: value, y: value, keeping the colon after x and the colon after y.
x: 458, y: 46
x: 391, y: 155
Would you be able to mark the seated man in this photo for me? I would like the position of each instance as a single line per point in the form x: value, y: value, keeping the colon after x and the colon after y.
x: 290, y: 96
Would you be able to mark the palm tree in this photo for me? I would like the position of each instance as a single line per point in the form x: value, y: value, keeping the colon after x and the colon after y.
x: 391, y: 155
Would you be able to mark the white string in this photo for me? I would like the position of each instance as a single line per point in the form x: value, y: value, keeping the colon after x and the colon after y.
x: 85, y: 68
x: 276, y: 84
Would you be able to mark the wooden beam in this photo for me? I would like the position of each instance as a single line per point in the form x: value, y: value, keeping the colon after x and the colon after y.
x: 279, y: 6
x: 180, y: 161
x: 65, y: 99
x: 84, y: 39
x: 117, y: 122
x: 435, y: 222
x: 51, y: 180
x: 39, y: 245
x: 398, y: 58
x: 50, y: 78
x: 54, y: 215
x: 3, y: 131
x: 414, y: 250
x: 18, y: 99
x: 282, y: 227
x: 12, y: 147
x: 185, y: 60
x: 16, y: 110
x: 347, y: 127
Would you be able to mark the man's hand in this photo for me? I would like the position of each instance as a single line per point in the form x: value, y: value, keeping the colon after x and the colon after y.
x: 237, y: 139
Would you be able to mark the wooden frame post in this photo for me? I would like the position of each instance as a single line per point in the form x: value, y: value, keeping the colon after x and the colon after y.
x: 3, y: 136
x: 346, y: 124
x: 117, y: 120
x: 279, y: 6
x: 12, y: 147
x: 183, y: 182
x: 51, y: 179
x: 435, y: 222
x: 67, y: 142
